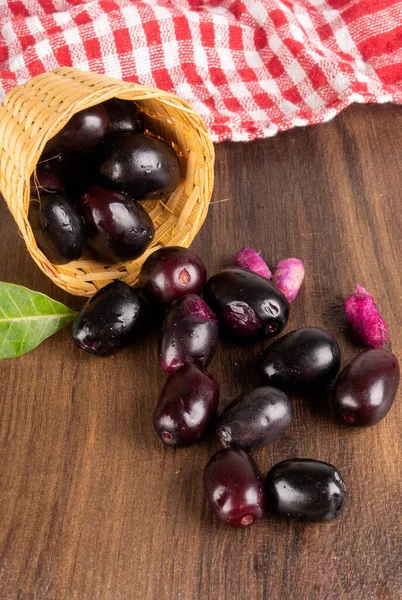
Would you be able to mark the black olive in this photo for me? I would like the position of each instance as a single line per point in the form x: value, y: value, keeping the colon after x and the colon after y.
x: 305, y: 489
x: 58, y: 228
x: 109, y: 320
x: 143, y: 166
x: 303, y: 359
x: 248, y: 305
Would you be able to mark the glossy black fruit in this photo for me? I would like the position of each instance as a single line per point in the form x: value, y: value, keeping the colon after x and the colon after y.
x: 366, y: 389
x: 58, y: 228
x: 186, y: 406
x: 83, y: 133
x: 109, y: 320
x: 255, y: 418
x: 48, y: 177
x: 190, y: 334
x: 70, y: 174
x: 304, y: 359
x: 305, y: 489
x: 124, y: 115
x: 143, y: 166
x: 248, y: 305
x: 171, y: 273
x: 234, y: 488
x: 118, y: 228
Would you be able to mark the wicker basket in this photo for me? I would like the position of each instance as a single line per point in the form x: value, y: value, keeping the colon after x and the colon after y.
x: 34, y: 112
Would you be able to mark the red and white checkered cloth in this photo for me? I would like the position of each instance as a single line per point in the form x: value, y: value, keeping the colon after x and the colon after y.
x: 249, y: 67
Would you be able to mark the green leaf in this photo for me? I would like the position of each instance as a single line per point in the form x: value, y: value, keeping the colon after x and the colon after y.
x: 27, y: 318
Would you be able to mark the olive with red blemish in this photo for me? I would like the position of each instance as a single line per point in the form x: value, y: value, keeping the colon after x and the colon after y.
x: 366, y: 389
x: 234, y: 488
x: 187, y: 406
x: 171, y: 273
x: 190, y: 334
x: 118, y: 227
x: 248, y: 306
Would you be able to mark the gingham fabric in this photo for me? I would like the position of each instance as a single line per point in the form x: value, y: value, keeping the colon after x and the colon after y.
x: 250, y: 68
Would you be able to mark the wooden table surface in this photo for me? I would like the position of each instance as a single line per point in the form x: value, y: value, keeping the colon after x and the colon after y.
x: 94, y: 507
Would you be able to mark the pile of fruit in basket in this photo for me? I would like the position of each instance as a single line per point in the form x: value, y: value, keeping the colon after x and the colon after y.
x: 89, y: 182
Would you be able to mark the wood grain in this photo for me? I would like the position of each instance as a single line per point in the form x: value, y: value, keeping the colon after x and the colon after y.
x: 93, y: 507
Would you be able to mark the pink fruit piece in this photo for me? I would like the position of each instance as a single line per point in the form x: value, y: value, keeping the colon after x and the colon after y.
x: 367, y: 323
x: 249, y: 259
x: 288, y: 276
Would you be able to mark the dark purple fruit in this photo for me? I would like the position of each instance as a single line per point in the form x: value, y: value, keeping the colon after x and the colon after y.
x: 143, y: 166
x: 234, y: 488
x: 305, y: 489
x: 248, y: 305
x: 366, y: 389
x: 186, y: 406
x: 48, y: 177
x: 118, y: 228
x: 189, y: 336
x: 304, y: 359
x: 58, y: 228
x: 255, y: 418
x: 172, y: 272
x: 124, y: 115
x: 83, y: 132
x: 109, y: 320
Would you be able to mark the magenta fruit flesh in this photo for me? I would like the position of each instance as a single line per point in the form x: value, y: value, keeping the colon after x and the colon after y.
x: 171, y: 273
x: 234, y: 488
x: 143, y: 166
x: 118, y: 228
x: 304, y: 359
x: 255, y: 418
x: 248, y: 306
x: 189, y: 336
x: 109, y: 321
x: 187, y: 406
x: 365, y: 319
x: 366, y: 389
x: 58, y: 228
x: 305, y: 489
x: 250, y: 260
